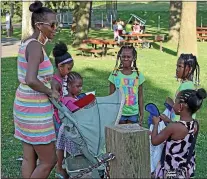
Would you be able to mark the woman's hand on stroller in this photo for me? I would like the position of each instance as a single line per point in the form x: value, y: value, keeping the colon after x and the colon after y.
x: 55, y: 94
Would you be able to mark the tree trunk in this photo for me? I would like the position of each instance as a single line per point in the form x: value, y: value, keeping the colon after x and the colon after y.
x: 12, y: 9
x: 26, y: 20
x: 130, y: 145
x: 82, y: 22
x: 188, y: 37
x: 175, y: 19
x: 89, y: 26
x: 10, y: 33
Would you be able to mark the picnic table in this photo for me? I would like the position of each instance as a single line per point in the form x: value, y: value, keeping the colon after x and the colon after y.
x: 105, y: 42
x: 201, y: 28
x: 94, y: 42
x: 94, y: 49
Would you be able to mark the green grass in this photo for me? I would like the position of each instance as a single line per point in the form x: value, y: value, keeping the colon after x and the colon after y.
x: 157, y: 67
x: 16, y: 33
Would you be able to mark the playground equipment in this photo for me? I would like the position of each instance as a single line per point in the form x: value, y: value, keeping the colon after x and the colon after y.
x: 142, y: 21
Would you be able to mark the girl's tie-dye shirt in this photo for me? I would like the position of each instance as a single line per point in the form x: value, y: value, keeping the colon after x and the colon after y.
x: 130, y: 85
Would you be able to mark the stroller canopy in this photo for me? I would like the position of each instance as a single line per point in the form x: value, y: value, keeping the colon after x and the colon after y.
x: 90, y: 122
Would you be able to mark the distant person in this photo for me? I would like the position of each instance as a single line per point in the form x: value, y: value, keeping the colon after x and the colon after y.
x: 129, y: 27
x: 142, y: 29
x: 8, y: 24
x: 115, y: 29
x: 121, y: 22
x: 136, y: 27
x: 120, y: 27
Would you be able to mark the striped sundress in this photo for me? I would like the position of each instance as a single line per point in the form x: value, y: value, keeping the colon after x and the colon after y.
x: 33, y: 112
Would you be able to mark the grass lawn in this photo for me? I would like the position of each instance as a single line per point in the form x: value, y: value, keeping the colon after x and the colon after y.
x: 157, y: 67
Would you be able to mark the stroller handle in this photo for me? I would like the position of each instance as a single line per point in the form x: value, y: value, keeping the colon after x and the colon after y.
x: 63, y: 110
x: 57, y: 104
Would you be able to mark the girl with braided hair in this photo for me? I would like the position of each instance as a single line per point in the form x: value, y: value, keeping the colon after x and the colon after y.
x: 126, y: 76
x: 180, y: 136
x: 64, y: 64
x: 188, y: 72
x: 74, y: 88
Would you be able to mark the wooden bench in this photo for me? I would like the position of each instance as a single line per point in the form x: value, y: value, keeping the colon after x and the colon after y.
x: 146, y: 42
x: 201, y: 33
x: 202, y: 38
x: 141, y: 42
x: 92, y: 51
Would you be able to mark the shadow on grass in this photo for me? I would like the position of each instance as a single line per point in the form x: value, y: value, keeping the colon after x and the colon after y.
x: 94, y: 79
x: 98, y: 80
x: 164, y: 49
x: 102, y: 34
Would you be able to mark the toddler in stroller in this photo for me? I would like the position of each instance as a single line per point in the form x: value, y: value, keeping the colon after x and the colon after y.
x: 85, y: 129
x: 74, y: 86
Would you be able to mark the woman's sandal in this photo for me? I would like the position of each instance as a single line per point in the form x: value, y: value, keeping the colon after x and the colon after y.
x: 59, y: 176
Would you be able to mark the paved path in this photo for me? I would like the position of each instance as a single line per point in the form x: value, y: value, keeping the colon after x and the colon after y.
x: 9, y: 47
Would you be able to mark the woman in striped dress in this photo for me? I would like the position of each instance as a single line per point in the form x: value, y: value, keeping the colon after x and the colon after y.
x: 33, y: 112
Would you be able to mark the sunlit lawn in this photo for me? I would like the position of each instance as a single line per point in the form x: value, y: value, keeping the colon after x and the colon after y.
x: 158, y: 68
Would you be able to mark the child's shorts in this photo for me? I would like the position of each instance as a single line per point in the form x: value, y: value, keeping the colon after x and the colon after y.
x: 133, y: 118
x: 57, y: 126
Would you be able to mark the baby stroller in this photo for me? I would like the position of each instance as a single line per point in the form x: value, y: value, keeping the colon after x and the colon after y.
x: 86, y: 128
